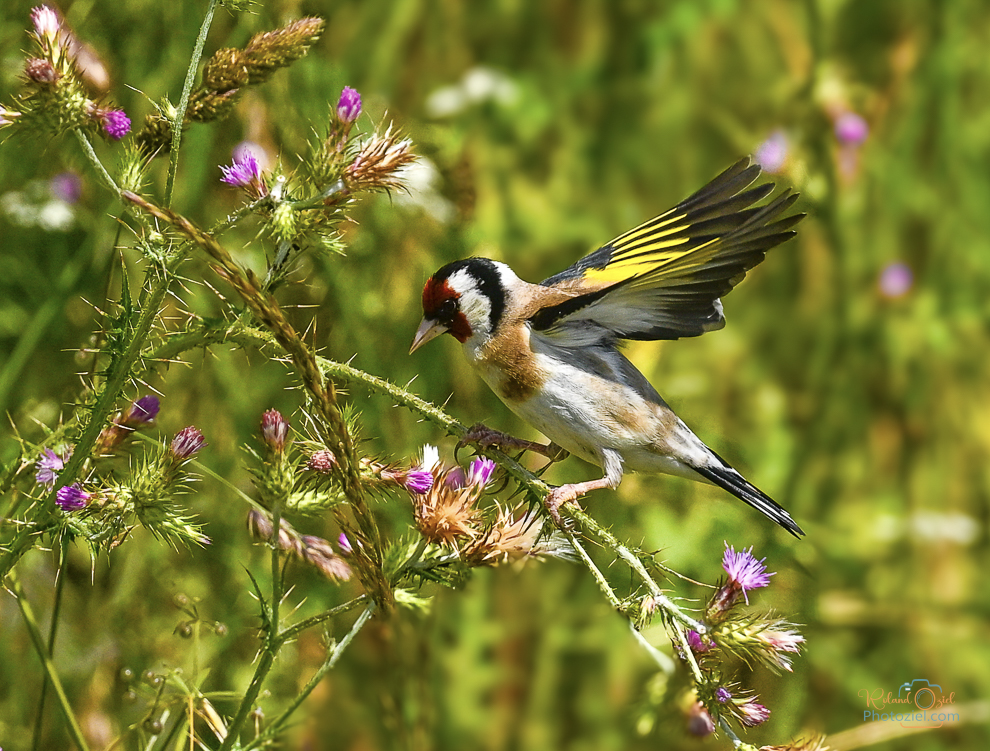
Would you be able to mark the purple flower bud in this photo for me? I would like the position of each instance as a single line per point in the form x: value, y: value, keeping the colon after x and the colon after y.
x: 700, y: 723
x: 480, y: 472
x: 344, y: 544
x: 722, y: 695
x: 71, y: 497
x: 186, y: 443
x: 66, y: 186
x: 896, y: 280
x: 142, y: 412
x: 45, y: 20
x: 7, y: 117
x: 274, y: 429
x: 349, y: 106
x: 48, y: 466
x: 772, y: 153
x: 40, y: 71
x: 696, y: 643
x: 744, y: 570
x: 752, y: 713
x: 850, y: 128
x: 418, y: 480
x: 116, y: 124
x: 455, y: 479
x: 322, y: 461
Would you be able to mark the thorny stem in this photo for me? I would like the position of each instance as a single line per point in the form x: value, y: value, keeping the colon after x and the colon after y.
x: 252, y: 337
x: 276, y: 577
x: 52, y: 632
x: 118, y: 374
x: 736, y: 742
x: 613, y: 543
x: 267, y: 659
x: 331, y: 425
x: 180, y: 114
x: 46, y: 661
x: 333, y: 656
x: 90, y: 153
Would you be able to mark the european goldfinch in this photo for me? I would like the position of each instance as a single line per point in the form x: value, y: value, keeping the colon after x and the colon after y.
x: 550, y: 350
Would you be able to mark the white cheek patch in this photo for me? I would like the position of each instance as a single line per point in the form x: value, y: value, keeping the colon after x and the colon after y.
x: 475, y: 307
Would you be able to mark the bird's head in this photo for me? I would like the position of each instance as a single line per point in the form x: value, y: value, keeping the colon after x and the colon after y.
x: 465, y: 299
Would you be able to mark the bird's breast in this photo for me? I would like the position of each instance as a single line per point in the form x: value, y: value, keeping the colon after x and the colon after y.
x: 509, y: 366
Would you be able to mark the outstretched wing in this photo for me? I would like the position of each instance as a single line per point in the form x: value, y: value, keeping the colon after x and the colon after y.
x: 663, y: 279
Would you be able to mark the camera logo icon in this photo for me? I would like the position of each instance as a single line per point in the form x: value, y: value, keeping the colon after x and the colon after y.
x: 923, y: 693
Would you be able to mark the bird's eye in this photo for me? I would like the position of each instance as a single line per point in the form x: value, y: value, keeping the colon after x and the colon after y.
x: 447, y: 310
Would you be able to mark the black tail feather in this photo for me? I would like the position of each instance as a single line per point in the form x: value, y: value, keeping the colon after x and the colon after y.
x: 728, y: 479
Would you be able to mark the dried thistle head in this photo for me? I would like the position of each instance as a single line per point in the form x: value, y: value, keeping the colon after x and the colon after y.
x: 514, y: 535
x: 379, y: 161
x: 448, y: 512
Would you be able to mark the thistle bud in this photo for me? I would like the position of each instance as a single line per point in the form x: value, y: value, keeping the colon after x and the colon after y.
x: 274, y: 430
x: 40, y: 71
x: 349, y: 105
x: 72, y: 497
x: 186, y: 444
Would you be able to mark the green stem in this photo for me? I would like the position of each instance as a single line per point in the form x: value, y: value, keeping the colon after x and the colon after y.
x: 596, y: 573
x: 52, y: 631
x: 46, y: 661
x: 119, y: 373
x: 266, y: 661
x: 90, y: 153
x: 291, y: 632
x: 612, y: 542
x: 334, y: 655
x: 180, y: 114
x: 276, y: 579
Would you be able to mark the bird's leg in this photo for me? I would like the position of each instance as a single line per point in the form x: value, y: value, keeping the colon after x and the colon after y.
x: 611, y: 462
x: 486, y: 437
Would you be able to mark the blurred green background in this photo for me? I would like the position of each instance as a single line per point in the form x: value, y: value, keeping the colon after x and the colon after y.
x: 850, y: 384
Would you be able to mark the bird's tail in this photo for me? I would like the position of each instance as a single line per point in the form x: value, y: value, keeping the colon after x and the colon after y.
x: 729, y: 479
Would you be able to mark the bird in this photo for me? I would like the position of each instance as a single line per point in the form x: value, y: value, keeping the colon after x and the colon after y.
x: 550, y: 351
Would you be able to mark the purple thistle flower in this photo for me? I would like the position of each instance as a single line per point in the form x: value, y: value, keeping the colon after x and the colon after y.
x: 142, y: 412
x: 480, y: 472
x: 66, y: 186
x: 744, y: 570
x: 274, y: 429
x: 896, y: 280
x: 186, y: 443
x: 723, y: 695
x: 72, y: 497
x: 45, y: 20
x: 116, y: 123
x: 751, y: 713
x: 696, y: 643
x: 242, y: 172
x: 851, y: 128
x: 418, y: 480
x: 48, y: 466
x: 455, y: 479
x: 245, y: 172
x: 772, y: 153
x: 349, y: 105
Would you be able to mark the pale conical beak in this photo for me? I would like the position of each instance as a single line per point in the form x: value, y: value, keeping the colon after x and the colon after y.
x: 427, y: 330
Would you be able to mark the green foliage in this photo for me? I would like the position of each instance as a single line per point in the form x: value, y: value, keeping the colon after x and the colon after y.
x: 548, y: 129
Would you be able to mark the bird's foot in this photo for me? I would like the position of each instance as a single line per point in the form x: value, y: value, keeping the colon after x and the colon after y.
x: 557, y: 498
x: 482, y: 435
